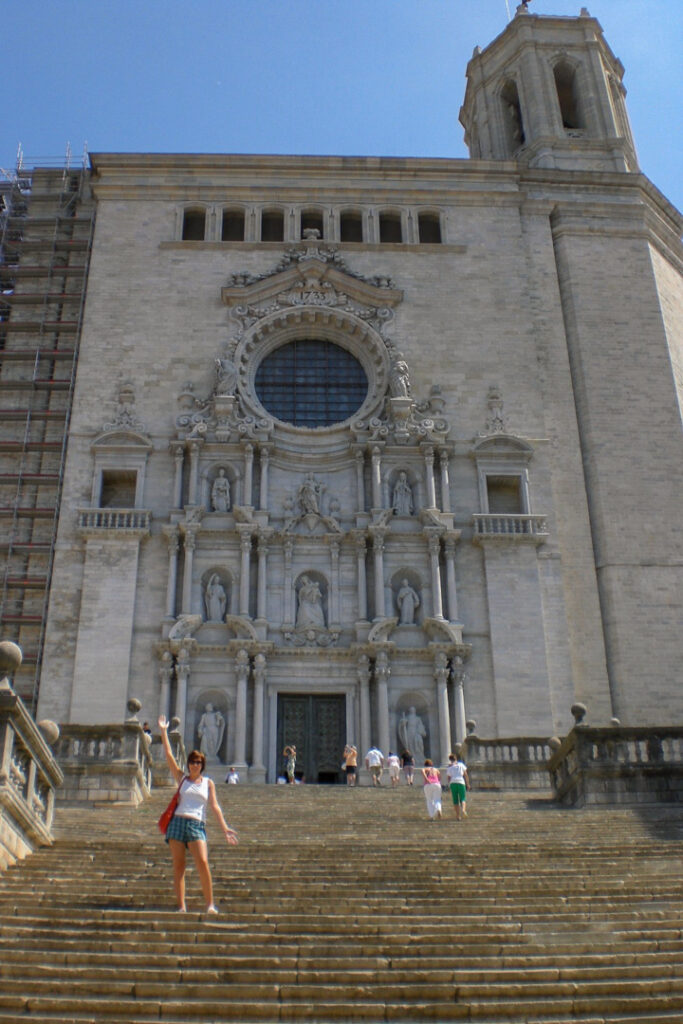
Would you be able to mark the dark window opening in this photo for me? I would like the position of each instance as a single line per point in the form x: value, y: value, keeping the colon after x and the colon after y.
x: 118, y: 488
x: 390, y: 227
x: 351, y: 227
x: 272, y: 226
x: 233, y: 226
x: 513, y: 117
x: 311, y: 383
x: 429, y: 228
x: 565, y: 83
x: 504, y: 495
x: 312, y: 220
x: 194, y: 223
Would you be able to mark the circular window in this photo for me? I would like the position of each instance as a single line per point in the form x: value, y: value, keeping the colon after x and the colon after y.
x: 311, y: 383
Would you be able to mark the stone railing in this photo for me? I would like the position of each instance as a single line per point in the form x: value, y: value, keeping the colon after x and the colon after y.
x: 127, y: 520
x: 618, y: 765
x: 104, y: 763
x: 29, y: 774
x: 518, y: 763
x: 510, y: 527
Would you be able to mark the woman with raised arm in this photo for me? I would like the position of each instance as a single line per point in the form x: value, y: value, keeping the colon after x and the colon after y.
x: 187, y: 827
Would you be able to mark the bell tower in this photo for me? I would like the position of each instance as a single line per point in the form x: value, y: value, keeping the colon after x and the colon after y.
x: 548, y: 92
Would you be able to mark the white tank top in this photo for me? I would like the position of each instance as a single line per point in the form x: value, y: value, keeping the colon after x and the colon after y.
x: 193, y: 799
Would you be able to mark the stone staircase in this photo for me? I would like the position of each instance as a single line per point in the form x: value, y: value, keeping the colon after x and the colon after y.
x: 349, y: 905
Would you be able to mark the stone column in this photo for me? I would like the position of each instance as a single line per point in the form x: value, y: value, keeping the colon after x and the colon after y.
x: 288, y: 548
x: 451, y: 591
x: 363, y: 675
x: 434, y: 544
x: 195, y: 448
x: 361, y: 579
x: 171, y: 534
x: 245, y: 549
x: 445, y: 481
x: 178, y: 459
x: 428, y: 452
x: 257, y: 765
x: 459, y: 694
x: 264, y: 453
x: 360, y: 480
x: 248, y: 473
x: 376, y: 477
x: 242, y: 671
x: 382, y: 673
x: 262, y: 547
x: 442, y: 709
x: 190, y: 541
x: 333, y: 608
x: 182, y: 675
x: 165, y: 669
x: 378, y: 554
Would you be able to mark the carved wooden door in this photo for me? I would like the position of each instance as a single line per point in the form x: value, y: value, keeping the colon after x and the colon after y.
x: 316, y: 725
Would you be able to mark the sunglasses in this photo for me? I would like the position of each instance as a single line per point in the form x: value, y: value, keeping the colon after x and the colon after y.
x: 194, y: 760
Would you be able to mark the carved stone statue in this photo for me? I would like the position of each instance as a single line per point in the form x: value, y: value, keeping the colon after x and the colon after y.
x: 309, y: 495
x: 399, y: 378
x: 412, y: 733
x: 310, y: 611
x: 220, y: 493
x: 402, y: 498
x: 210, y: 731
x: 226, y: 375
x: 215, y: 599
x: 408, y: 602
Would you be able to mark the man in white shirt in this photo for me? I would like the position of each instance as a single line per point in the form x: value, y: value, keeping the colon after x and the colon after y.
x: 374, y: 762
x: 459, y: 784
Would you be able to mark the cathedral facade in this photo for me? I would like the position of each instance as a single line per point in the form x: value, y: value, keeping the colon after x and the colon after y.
x: 362, y: 450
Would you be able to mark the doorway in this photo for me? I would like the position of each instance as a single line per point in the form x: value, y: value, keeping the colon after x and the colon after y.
x: 316, y: 725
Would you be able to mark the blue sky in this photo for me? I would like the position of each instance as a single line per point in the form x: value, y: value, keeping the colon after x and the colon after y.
x: 363, y: 77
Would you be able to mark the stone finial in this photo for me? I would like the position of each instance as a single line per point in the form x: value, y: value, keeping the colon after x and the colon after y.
x: 133, y: 706
x: 10, y: 660
x: 175, y: 724
x: 616, y: 722
x: 50, y: 731
x: 471, y: 725
x: 579, y: 712
x: 554, y: 743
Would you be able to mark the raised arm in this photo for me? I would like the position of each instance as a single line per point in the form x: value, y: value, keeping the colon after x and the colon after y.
x: 229, y: 833
x: 170, y: 759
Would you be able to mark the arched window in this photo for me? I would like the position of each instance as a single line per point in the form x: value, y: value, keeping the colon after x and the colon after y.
x: 233, y: 226
x: 194, y: 224
x: 565, y: 84
x: 351, y: 226
x: 429, y: 227
x: 512, y: 115
x: 272, y: 226
x: 390, y: 227
x: 312, y: 220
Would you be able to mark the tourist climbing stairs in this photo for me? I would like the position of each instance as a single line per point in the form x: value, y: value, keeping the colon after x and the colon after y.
x: 349, y: 905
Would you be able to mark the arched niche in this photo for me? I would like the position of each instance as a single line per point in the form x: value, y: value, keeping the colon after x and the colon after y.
x: 411, y: 721
x: 208, y: 482
x: 210, y: 725
x: 397, y: 497
x: 214, y: 580
x: 311, y: 594
x: 407, y: 597
x: 513, y: 119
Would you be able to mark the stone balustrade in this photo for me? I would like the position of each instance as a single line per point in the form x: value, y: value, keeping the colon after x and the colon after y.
x: 518, y: 763
x: 29, y: 774
x: 618, y: 765
x: 119, y: 519
x: 104, y: 763
x: 510, y: 527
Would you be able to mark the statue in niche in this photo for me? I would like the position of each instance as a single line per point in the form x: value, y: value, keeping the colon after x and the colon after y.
x: 220, y: 493
x: 399, y: 378
x: 309, y: 495
x: 412, y: 733
x: 310, y: 611
x: 226, y: 374
x: 408, y: 602
x: 210, y: 731
x: 215, y: 599
x: 402, y: 498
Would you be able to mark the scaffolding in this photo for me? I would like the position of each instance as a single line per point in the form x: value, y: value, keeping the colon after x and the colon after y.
x: 47, y: 218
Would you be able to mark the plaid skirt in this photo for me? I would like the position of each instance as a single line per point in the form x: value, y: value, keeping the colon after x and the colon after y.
x: 185, y: 830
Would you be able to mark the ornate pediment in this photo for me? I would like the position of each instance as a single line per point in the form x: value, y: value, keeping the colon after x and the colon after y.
x: 311, y: 275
